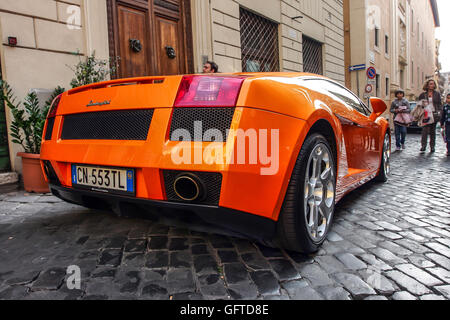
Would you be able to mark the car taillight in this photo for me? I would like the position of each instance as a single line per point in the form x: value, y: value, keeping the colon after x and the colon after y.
x: 54, y: 107
x: 216, y: 91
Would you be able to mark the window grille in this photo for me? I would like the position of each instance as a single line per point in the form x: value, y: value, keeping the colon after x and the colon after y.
x: 259, y: 43
x: 312, y: 56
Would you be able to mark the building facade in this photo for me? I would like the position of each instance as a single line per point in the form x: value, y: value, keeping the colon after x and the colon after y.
x: 397, y: 38
x: 164, y: 37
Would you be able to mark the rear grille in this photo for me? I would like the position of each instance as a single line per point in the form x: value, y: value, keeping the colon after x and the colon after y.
x: 211, y: 118
x: 212, y: 182
x: 49, y: 129
x: 108, y: 125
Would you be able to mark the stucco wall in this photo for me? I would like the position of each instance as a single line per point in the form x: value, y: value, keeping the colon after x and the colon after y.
x: 322, y: 20
x: 52, y: 35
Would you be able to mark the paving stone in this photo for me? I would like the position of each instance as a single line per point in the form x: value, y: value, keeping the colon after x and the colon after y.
x: 128, y: 281
x: 135, y: 245
x: 158, y: 243
x: 22, y: 278
x: 110, y: 257
x: 13, y: 293
x: 418, y: 274
x: 178, y: 244
x: 387, y: 256
x: 157, y: 259
x: 180, y: 259
x: 351, y: 262
x: 205, y: 264
x: 284, y: 269
x: 358, y: 288
x: 115, y: 243
x: 180, y: 281
x: 266, y: 282
x: 300, y: 290
x: 334, y: 237
x: 376, y: 298
x: 270, y: 252
x: 439, y: 259
x: 440, y: 273
x: 187, y: 296
x: 104, y: 272
x: 212, y: 285
x: 330, y: 264
x: 155, y: 291
x: 376, y: 280
x: 235, y: 273
x: 243, y: 291
x: 445, y: 290
x: 199, y: 249
x: 316, y: 275
x: 390, y: 235
x: 410, y: 284
x: 136, y: 260
x: 50, y: 279
x: 432, y: 297
x: 227, y: 256
x: 420, y: 261
x: 220, y: 242
x: 403, y: 295
x: 255, y: 261
x: 243, y: 246
x: 333, y: 293
x: 388, y: 226
x: 439, y: 248
x: 395, y: 248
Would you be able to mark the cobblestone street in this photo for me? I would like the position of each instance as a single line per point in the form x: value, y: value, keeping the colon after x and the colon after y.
x: 388, y: 241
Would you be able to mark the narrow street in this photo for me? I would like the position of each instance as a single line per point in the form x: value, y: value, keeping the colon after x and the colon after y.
x: 388, y: 241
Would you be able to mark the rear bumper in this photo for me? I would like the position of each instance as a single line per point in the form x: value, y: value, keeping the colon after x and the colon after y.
x: 209, y: 218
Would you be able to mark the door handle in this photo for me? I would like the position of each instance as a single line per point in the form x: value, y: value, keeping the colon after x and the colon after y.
x: 171, y: 53
x: 135, y: 45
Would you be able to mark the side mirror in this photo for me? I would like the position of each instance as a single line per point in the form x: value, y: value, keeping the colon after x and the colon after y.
x: 378, y: 107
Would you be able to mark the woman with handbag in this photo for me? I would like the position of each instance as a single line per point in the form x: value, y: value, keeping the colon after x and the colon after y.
x: 432, y: 95
x: 402, y: 119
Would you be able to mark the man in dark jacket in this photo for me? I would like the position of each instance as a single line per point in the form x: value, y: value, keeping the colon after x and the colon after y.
x: 434, y: 97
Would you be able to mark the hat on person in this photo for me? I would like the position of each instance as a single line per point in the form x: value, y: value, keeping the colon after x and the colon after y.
x: 399, y: 91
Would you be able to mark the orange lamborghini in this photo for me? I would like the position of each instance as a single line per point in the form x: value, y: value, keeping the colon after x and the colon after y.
x: 265, y: 155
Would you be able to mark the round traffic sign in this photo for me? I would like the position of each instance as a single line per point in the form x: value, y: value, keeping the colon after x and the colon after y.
x: 369, y: 88
x: 371, y: 73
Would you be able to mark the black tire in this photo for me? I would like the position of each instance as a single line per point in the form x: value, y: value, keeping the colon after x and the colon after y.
x: 292, y: 230
x: 383, y: 175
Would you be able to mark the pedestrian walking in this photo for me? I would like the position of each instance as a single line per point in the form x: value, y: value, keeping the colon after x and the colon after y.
x: 433, y: 97
x: 210, y: 67
x: 401, y: 109
x: 445, y: 123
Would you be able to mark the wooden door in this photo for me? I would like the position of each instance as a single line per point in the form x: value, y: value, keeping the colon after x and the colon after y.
x: 150, y: 37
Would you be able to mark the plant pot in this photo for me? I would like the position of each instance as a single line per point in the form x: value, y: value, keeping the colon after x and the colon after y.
x: 33, y: 177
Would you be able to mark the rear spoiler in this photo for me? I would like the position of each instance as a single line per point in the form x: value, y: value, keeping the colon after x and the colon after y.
x: 115, y: 83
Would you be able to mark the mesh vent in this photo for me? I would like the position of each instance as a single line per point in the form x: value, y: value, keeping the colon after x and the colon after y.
x: 212, y: 182
x: 259, y: 41
x: 49, y: 129
x: 312, y: 56
x: 218, y: 119
x: 108, y: 125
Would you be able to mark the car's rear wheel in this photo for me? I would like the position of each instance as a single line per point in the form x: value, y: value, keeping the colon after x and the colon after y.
x: 385, y: 168
x: 308, y: 208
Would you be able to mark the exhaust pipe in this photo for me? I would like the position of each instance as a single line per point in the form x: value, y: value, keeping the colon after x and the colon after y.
x: 189, y: 187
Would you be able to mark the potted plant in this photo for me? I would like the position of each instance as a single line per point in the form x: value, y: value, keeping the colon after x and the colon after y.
x: 27, y: 127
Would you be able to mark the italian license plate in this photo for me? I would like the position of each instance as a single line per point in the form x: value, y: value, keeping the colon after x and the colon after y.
x: 103, y: 179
